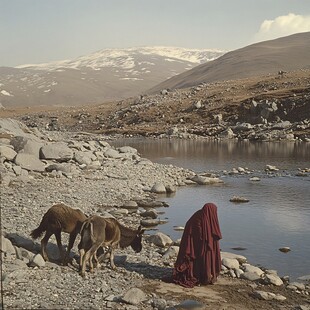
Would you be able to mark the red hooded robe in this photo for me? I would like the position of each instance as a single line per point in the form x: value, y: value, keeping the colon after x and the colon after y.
x: 199, y: 258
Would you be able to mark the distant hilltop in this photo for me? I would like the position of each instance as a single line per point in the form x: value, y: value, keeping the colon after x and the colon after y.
x: 126, y: 58
x: 268, y: 57
x: 105, y: 75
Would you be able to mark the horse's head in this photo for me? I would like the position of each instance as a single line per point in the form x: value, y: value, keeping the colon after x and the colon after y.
x: 137, y: 241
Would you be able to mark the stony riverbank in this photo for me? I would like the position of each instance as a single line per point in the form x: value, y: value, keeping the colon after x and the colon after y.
x: 39, y: 169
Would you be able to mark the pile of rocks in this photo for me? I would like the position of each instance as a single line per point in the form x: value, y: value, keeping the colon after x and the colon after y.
x: 25, y: 153
x: 236, y: 266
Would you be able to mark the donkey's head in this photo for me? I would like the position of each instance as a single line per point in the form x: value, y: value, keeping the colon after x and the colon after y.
x: 136, y: 244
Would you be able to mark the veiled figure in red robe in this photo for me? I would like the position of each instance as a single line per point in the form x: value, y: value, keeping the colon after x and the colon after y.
x: 199, y: 258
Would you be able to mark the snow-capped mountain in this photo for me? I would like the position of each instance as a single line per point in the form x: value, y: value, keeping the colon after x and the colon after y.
x: 127, y: 58
x: 101, y: 76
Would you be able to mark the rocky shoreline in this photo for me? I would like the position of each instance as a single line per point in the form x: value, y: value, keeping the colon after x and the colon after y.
x: 39, y: 169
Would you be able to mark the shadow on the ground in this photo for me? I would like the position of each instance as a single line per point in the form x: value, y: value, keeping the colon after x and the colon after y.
x: 149, y: 271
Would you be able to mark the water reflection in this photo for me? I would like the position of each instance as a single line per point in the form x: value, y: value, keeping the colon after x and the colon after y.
x: 197, y: 154
x: 278, y: 213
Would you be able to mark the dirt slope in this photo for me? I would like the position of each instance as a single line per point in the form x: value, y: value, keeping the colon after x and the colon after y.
x: 286, y: 54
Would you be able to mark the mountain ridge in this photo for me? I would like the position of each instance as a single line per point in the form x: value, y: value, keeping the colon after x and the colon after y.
x: 98, y: 77
x: 185, y: 54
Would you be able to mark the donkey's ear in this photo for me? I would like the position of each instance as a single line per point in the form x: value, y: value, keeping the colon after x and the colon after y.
x: 140, y: 230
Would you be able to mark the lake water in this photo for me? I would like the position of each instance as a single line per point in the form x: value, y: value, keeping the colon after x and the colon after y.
x: 278, y: 213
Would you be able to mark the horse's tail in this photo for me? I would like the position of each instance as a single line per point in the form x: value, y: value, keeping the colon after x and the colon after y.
x: 36, y: 233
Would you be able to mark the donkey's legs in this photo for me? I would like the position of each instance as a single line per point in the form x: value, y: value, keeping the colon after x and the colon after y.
x: 112, y: 257
x: 44, y: 243
x: 82, y: 253
x: 70, y: 246
x: 61, y: 250
x: 93, y: 255
x: 88, y: 257
x: 84, y: 260
x: 96, y: 260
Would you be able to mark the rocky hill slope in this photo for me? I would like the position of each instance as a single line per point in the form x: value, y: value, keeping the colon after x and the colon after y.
x: 286, y: 54
x: 270, y: 107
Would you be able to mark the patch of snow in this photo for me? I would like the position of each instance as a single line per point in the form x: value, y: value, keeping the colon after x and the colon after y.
x: 47, y: 90
x: 170, y: 59
x: 125, y: 58
x: 132, y: 79
x: 6, y: 93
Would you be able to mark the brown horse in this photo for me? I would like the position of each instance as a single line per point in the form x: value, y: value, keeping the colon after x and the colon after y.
x: 99, y: 232
x: 57, y: 219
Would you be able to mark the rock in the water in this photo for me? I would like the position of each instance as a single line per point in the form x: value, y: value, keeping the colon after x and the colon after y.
x: 238, y: 199
x: 201, y: 180
x: 285, y: 249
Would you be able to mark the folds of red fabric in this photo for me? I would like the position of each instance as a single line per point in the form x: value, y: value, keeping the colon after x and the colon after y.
x: 199, y: 259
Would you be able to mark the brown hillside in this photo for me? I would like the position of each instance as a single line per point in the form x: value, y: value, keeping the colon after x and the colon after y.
x: 157, y: 114
x: 286, y: 54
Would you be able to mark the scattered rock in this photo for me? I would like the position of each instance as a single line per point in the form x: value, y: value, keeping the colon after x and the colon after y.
x: 134, y: 296
x: 160, y: 239
x: 238, y: 199
x: 285, y: 249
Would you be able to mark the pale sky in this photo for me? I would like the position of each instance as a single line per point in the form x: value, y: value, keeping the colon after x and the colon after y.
x: 36, y: 31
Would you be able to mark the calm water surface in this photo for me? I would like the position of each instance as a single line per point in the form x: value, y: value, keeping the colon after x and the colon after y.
x: 278, y: 213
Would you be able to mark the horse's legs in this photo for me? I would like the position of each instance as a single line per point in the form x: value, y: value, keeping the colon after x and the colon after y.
x: 44, y: 243
x: 58, y: 239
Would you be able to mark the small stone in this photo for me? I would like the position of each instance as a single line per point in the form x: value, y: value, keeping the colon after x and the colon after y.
x: 37, y: 261
x: 285, y: 249
x: 134, y: 296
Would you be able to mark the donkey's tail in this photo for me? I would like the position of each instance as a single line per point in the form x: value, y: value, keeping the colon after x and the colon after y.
x: 36, y: 233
